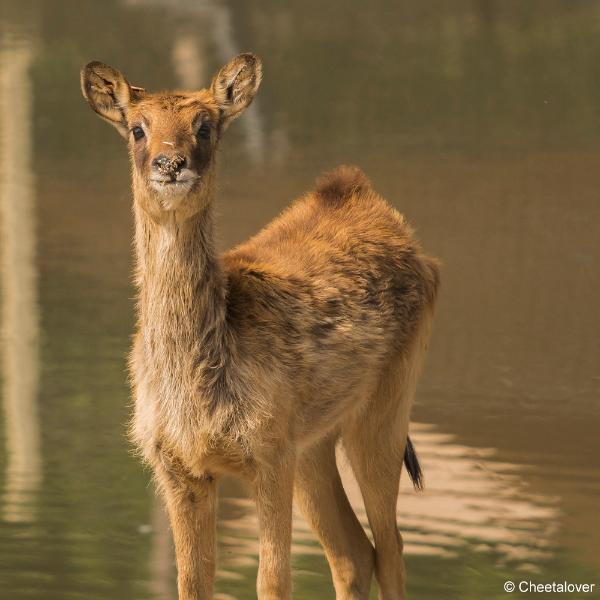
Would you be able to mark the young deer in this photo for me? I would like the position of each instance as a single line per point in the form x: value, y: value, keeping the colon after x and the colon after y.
x: 257, y: 362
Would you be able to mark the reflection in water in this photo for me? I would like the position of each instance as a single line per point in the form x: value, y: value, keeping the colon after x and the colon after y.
x: 469, y: 499
x: 472, y: 498
x: 19, y: 280
x: 189, y: 61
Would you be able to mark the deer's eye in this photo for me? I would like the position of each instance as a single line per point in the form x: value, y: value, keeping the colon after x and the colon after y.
x: 138, y: 133
x: 204, y: 131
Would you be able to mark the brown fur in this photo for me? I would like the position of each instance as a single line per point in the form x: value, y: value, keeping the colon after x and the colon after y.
x: 256, y: 363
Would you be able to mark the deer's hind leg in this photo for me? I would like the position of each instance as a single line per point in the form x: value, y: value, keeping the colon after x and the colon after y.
x: 320, y: 495
x: 374, y: 442
x: 375, y: 453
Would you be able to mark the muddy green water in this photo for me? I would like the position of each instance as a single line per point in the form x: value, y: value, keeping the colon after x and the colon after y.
x: 480, y: 120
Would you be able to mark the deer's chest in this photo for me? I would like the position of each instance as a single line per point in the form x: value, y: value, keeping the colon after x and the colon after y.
x: 170, y: 420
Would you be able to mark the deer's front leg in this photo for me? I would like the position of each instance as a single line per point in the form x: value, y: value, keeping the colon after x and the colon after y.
x: 273, y: 491
x: 191, y: 504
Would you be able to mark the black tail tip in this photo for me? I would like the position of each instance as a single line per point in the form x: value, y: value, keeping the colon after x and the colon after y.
x: 412, y: 465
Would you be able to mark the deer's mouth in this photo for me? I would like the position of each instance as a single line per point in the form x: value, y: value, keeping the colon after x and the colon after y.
x: 168, y: 184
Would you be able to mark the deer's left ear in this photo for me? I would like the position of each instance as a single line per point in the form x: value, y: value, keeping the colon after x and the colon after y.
x: 235, y: 85
x: 108, y: 93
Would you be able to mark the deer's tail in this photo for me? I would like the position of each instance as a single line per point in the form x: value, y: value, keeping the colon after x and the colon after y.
x: 411, y: 462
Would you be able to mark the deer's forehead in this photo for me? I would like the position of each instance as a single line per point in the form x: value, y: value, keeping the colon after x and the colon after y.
x: 174, y: 109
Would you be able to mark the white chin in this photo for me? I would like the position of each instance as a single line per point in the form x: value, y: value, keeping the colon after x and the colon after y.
x: 171, y: 193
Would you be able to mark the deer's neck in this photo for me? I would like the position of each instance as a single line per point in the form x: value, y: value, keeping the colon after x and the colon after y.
x: 181, y: 305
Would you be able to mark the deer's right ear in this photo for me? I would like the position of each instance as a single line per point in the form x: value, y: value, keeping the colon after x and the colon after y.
x: 108, y: 93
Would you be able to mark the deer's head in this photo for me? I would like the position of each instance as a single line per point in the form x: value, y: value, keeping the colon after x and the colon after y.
x: 172, y: 136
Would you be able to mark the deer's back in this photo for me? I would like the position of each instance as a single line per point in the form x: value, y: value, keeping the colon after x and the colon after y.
x: 330, y: 291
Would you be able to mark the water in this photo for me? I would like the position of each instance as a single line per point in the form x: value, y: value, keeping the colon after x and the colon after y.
x: 479, y: 120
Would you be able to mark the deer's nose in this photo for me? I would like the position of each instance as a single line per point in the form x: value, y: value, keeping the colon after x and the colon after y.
x: 169, y: 165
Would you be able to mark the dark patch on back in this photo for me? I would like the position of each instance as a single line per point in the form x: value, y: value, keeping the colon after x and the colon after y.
x: 341, y: 184
x: 332, y: 307
x: 322, y: 329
